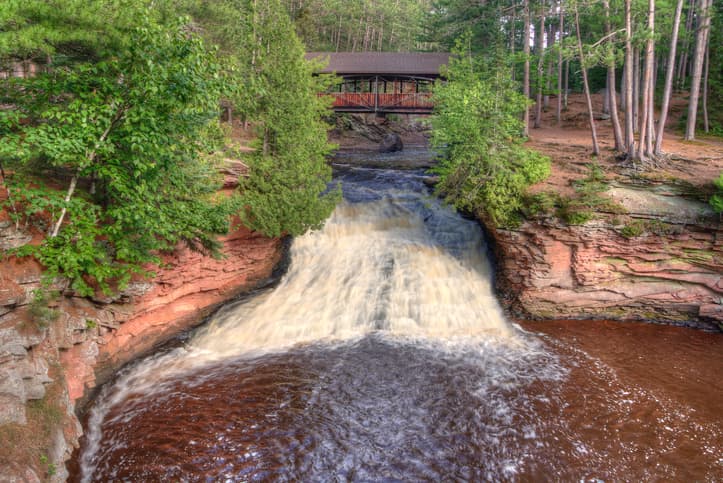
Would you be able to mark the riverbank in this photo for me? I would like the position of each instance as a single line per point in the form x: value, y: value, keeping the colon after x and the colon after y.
x: 54, y: 353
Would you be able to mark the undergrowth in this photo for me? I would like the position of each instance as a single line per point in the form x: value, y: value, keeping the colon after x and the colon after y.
x: 578, y: 209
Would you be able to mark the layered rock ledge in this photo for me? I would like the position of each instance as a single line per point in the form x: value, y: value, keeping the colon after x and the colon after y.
x: 667, y: 269
x: 50, y: 362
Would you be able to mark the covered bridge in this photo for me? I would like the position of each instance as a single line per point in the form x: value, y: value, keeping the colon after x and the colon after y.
x: 383, y: 82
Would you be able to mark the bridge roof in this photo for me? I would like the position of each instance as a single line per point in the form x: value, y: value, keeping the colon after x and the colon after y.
x: 382, y: 63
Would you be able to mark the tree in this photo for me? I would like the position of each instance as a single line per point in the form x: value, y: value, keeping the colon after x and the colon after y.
x: 646, y: 118
x: 113, y: 144
x: 286, y: 191
x: 668, y: 79
x: 611, y: 78
x: 586, y: 84
x: 526, y: 75
x: 561, y: 29
x: 540, y: 37
x: 477, y: 124
x: 628, y: 87
x: 130, y: 127
x: 700, y: 48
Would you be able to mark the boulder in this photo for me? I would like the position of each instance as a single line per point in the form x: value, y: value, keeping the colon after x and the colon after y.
x: 391, y: 143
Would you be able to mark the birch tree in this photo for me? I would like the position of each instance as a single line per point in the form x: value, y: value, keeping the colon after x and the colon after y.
x: 700, y: 48
x: 668, y: 79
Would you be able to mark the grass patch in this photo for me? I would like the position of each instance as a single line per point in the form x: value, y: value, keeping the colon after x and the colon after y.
x: 633, y: 229
x: 578, y: 209
x: 638, y: 228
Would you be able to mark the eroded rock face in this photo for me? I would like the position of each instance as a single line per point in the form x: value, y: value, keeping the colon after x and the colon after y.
x: 82, y: 342
x: 547, y: 270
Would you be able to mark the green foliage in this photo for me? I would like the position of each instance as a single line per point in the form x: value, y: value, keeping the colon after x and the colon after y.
x: 633, y: 229
x: 38, y: 308
x: 577, y: 209
x: 716, y: 201
x: 582, y: 207
x: 575, y: 216
x: 128, y: 129
x: 110, y: 147
x: 67, y: 30
x: 476, y: 129
x: 286, y: 190
x: 361, y: 25
x: 449, y: 20
x: 541, y: 204
x: 51, y: 469
x: 637, y: 228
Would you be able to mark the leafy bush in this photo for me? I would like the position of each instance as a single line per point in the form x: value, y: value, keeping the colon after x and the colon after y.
x: 633, y: 229
x: 127, y: 132
x: 716, y: 201
x: 477, y: 130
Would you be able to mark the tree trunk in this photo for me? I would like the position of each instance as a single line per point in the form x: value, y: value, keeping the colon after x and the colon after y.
x: 558, y: 113
x: 512, y: 39
x: 567, y: 83
x: 622, y: 88
x: 644, y: 145
x: 540, y: 37
x: 636, y: 87
x: 706, y: 125
x: 89, y: 160
x: 683, y: 65
x: 700, y: 47
x: 628, y: 88
x: 548, y: 76
x: 526, y: 78
x: 617, y: 131
x: 595, y: 147
x: 512, y: 31
x: 668, y: 79
x: 9, y: 196
x: 651, y: 116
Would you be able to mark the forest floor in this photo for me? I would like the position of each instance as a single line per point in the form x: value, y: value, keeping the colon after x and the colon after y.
x: 569, y: 145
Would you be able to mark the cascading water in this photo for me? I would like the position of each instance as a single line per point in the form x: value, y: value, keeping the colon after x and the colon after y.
x: 381, y: 355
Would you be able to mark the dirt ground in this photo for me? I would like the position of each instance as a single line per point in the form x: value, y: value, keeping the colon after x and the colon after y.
x: 570, y: 147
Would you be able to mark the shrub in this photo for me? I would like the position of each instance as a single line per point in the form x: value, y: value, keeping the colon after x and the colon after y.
x: 716, y: 201
x: 477, y: 130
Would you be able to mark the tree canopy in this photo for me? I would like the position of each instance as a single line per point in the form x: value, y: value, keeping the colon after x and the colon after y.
x: 112, y: 145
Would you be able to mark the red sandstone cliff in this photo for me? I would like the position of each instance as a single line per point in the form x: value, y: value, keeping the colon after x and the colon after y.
x: 667, y: 270
x: 54, y: 363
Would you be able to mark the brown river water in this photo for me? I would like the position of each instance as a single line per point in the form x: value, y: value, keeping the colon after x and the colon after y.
x: 383, y: 355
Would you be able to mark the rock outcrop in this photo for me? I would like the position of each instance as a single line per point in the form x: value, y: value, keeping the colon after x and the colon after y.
x: 662, y: 263
x: 55, y: 354
x: 391, y: 143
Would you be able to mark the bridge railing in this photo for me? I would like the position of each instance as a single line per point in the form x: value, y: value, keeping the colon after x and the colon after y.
x: 370, y: 101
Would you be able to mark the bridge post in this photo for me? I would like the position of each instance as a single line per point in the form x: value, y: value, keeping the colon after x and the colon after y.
x: 376, y: 94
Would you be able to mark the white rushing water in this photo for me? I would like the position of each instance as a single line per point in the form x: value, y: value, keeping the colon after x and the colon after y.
x: 374, y: 266
x: 398, y: 264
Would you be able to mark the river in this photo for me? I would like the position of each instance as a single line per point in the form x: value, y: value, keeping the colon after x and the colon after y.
x: 383, y: 355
